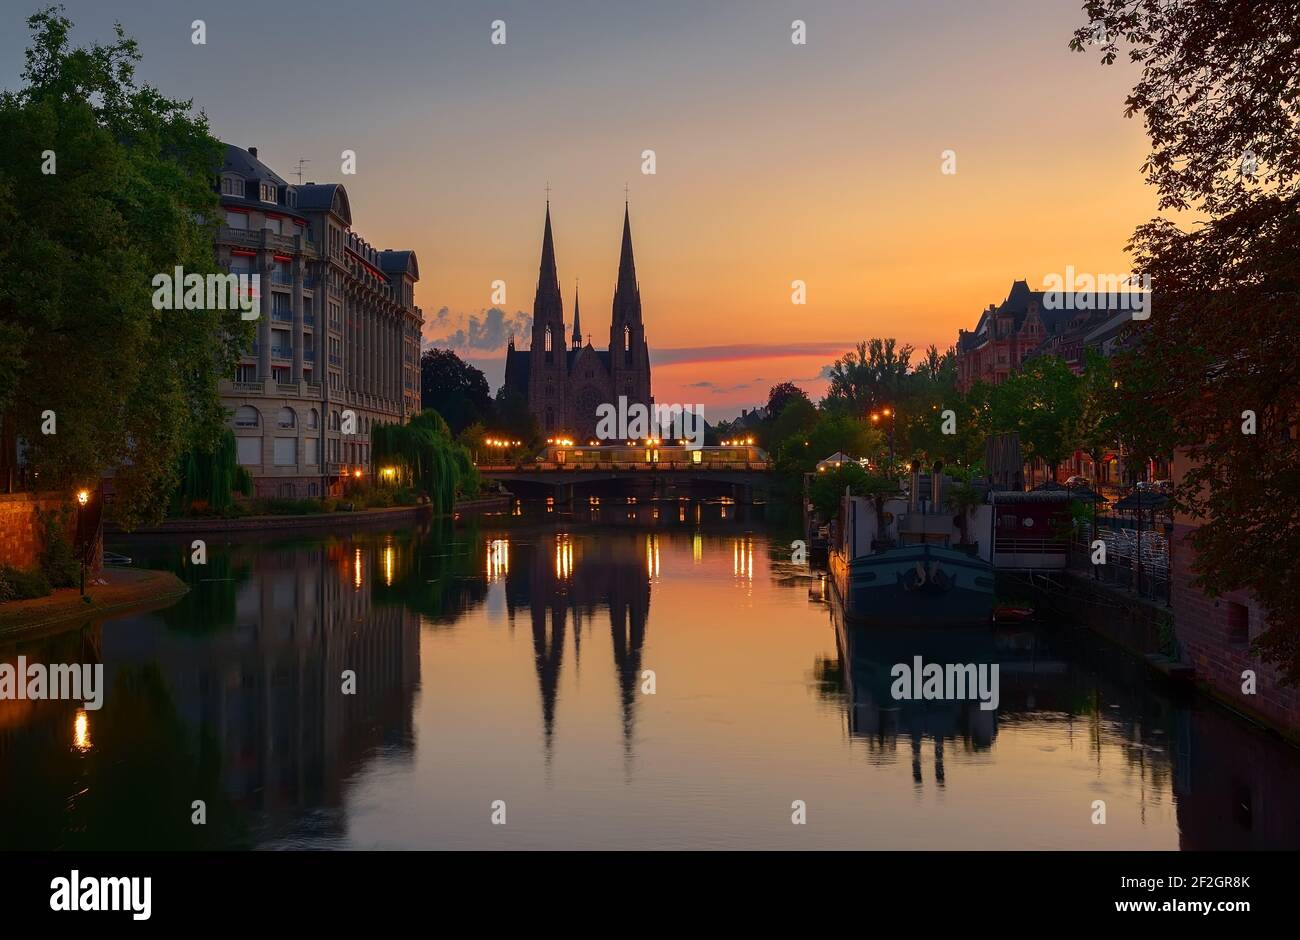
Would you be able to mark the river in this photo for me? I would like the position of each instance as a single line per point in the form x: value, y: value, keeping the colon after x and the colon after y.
x: 654, y: 675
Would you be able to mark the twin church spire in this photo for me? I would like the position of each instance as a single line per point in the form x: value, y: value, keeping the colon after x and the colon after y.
x: 548, y: 305
x: 565, y: 384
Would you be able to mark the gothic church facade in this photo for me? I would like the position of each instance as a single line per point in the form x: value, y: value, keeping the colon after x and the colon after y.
x: 566, y: 382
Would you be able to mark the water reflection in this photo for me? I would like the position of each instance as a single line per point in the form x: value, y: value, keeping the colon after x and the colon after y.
x: 507, y: 658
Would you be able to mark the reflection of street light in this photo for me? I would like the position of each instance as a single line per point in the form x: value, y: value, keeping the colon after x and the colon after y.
x: 83, y: 497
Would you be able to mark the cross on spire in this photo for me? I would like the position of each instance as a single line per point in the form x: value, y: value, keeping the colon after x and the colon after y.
x: 625, y: 192
x: 548, y: 192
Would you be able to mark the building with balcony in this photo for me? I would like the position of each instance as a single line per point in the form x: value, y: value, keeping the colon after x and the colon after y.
x: 337, y: 350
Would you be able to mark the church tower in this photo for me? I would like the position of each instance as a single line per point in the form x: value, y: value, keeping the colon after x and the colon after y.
x: 629, y: 358
x: 548, y: 366
x: 577, y: 320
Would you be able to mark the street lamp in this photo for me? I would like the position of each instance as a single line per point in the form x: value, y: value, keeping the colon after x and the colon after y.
x: 887, y: 412
x: 83, y: 497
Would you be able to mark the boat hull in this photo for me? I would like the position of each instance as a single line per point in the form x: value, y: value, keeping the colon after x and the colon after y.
x: 914, y: 585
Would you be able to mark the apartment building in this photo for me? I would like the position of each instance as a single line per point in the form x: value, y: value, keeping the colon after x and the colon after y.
x: 337, y: 351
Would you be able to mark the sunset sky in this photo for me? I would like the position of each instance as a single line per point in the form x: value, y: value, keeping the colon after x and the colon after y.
x: 775, y: 162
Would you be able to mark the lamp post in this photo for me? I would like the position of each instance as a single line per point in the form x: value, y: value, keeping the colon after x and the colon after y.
x: 887, y: 412
x: 83, y: 497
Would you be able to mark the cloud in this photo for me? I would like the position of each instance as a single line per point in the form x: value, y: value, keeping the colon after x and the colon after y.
x: 741, y: 351
x: 486, y: 331
x: 717, y: 389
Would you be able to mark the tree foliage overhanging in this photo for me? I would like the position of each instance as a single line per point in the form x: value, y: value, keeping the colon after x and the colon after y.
x: 131, y: 388
x: 1219, y: 93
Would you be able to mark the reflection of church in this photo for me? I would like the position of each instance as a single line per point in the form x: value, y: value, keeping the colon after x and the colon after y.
x: 564, y: 386
x: 566, y: 584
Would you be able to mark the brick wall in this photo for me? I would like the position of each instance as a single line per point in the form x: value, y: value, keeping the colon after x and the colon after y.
x: 20, y: 544
x: 1215, y: 635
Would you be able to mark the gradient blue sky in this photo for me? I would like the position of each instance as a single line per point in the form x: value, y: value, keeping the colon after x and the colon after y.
x: 775, y: 161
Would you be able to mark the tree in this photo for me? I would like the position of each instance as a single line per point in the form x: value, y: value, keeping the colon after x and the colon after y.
x: 780, y: 397
x: 869, y: 377
x: 423, y: 451
x: 132, y: 195
x: 1221, y: 101
x: 455, y: 389
x: 793, y: 422
x: 1097, y: 430
x: 516, y: 419
x: 1051, y: 408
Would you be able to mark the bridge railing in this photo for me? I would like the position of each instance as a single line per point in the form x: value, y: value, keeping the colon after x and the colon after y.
x: 626, y: 466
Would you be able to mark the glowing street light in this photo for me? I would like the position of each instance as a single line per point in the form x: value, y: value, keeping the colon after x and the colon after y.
x: 83, y: 497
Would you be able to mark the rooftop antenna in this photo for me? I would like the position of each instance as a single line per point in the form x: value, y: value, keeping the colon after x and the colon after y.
x: 625, y: 193
x: 548, y: 192
x: 302, y: 162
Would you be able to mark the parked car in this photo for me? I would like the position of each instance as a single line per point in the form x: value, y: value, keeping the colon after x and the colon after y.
x: 113, y: 558
x: 1077, y: 480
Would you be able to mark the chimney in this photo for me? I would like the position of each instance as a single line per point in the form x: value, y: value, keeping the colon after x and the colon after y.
x: 252, y: 152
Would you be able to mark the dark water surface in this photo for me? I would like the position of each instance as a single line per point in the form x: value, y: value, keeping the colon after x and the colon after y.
x: 506, y: 660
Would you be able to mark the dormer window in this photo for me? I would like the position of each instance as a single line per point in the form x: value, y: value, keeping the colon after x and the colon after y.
x: 232, y: 186
x: 269, y: 192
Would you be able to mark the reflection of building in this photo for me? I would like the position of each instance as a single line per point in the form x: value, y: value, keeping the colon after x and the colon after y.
x: 337, y: 330
x: 1216, y: 635
x: 565, y: 582
x: 1235, y: 788
x: 270, y: 687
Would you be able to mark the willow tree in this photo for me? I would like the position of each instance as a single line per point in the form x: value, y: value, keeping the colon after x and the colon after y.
x: 211, y: 477
x: 423, y: 452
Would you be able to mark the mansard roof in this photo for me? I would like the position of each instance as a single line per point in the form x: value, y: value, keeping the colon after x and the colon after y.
x: 399, y: 262
x: 325, y: 197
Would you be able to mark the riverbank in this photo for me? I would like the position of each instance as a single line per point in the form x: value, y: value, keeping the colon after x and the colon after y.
x: 127, y: 589
x: 1148, y: 631
x: 331, y: 520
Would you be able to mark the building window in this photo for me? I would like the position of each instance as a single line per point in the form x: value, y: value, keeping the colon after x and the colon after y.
x: 232, y: 186
x: 287, y: 418
x: 237, y: 220
x: 286, y: 451
x: 334, y: 420
x: 272, y: 225
x: 313, y: 419
x: 268, y: 192
x: 547, y: 346
x: 627, y: 345
x: 246, y: 416
x: 245, y: 372
x: 249, y: 451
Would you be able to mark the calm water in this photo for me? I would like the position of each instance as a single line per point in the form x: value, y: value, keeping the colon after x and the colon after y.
x: 505, y: 660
